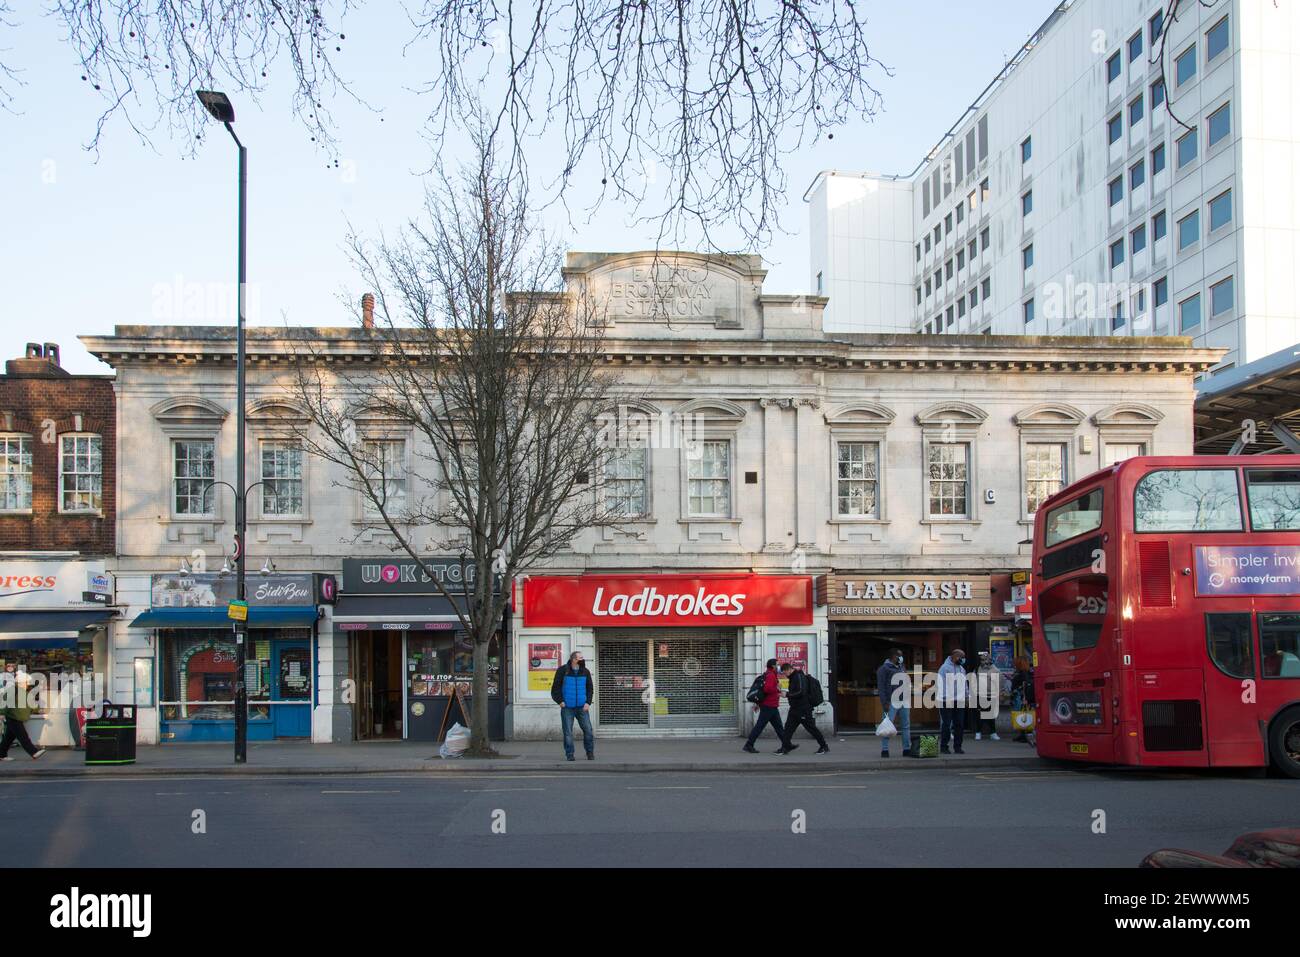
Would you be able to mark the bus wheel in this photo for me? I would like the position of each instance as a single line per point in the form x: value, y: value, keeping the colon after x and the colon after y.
x: 1284, y: 743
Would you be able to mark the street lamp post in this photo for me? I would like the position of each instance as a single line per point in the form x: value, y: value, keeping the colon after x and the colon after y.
x: 219, y: 106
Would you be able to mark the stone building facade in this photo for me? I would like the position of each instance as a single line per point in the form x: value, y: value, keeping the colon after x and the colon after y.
x: 768, y: 453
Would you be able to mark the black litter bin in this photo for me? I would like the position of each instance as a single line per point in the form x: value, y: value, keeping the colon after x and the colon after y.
x: 110, y: 738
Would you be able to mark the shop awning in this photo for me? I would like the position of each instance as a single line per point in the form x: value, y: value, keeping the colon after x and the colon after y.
x: 50, y: 625
x: 288, y: 616
x: 394, y: 613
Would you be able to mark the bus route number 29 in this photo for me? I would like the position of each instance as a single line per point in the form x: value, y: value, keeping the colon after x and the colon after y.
x: 1092, y: 604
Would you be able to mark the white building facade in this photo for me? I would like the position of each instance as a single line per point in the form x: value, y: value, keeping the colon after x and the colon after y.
x: 1124, y: 175
x: 808, y: 454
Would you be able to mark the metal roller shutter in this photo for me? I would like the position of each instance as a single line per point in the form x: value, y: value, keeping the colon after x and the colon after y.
x: 694, y: 675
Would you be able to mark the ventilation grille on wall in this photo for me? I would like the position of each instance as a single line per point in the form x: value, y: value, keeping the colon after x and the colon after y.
x: 1172, y: 726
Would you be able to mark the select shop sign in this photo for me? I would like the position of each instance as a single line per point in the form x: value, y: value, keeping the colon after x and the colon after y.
x: 54, y: 585
x: 657, y: 601
x: 1247, y: 570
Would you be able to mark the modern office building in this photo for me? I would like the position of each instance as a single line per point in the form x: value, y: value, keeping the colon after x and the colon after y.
x: 1131, y: 171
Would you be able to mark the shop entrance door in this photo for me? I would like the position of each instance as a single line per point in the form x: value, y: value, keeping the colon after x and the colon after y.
x: 377, y: 670
x: 291, y: 671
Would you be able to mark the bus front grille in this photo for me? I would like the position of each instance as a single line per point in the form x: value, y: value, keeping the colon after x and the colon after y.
x: 1172, y: 726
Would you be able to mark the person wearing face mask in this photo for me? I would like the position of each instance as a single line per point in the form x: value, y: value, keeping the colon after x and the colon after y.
x: 950, y: 691
x: 573, y: 691
x: 989, y: 682
x: 892, y: 687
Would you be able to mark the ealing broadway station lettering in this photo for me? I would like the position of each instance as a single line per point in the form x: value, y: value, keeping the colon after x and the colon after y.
x: 680, y: 293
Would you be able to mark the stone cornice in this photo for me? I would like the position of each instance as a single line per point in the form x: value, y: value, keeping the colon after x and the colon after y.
x: 270, y: 347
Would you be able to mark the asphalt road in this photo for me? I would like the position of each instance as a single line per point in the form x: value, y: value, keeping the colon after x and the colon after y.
x: 934, y: 818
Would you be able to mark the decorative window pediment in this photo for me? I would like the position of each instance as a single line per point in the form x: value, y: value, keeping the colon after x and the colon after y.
x: 945, y: 413
x: 277, y: 411
x: 860, y: 414
x: 1053, y: 414
x: 1128, y: 415
x: 711, y: 412
x: 189, y: 410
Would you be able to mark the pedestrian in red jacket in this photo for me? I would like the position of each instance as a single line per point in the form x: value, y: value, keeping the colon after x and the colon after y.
x: 769, y: 710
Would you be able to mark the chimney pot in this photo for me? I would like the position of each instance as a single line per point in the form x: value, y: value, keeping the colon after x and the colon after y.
x: 368, y: 311
x: 52, y: 353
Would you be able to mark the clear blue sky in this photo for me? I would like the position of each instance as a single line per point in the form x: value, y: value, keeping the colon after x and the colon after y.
x: 146, y: 235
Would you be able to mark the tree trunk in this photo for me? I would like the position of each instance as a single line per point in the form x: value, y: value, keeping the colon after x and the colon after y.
x: 478, y: 730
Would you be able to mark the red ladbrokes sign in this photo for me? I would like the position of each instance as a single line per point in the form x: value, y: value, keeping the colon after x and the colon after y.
x: 650, y: 601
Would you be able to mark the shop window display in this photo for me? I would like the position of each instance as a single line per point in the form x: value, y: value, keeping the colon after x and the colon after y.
x: 199, y: 674
x: 71, y: 657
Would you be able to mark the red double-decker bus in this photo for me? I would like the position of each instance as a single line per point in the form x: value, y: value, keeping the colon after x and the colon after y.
x: 1167, y: 614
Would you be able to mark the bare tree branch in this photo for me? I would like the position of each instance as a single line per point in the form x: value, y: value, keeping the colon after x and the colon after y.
x: 498, y: 374
x: 683, y: 111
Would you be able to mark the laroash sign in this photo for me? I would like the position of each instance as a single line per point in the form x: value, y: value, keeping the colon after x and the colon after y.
x: 656, y: 601
x: 1247, y: 570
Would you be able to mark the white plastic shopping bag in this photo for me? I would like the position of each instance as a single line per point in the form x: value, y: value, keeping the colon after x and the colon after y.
x: 456, y: 743
x: 886, y: 728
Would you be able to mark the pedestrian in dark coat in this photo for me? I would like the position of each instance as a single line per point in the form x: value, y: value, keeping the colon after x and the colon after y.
x: 573, y: 690
x: 801, y: 709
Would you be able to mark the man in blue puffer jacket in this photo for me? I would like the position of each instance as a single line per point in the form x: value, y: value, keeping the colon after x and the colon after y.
x: 572, y: 690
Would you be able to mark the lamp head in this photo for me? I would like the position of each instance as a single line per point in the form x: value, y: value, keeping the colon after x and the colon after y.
x: 217, y: 104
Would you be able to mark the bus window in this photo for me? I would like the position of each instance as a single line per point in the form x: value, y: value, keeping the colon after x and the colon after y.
x: 1188, y: 500
x: 1279, y: 645
x: 1073, y: 613
x: 1274, y: 498
x: 1075, y: 517
x: 1228, y: 637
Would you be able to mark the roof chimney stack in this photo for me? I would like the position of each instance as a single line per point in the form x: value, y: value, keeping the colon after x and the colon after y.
x: 368, y: 311
x: 40, y: 362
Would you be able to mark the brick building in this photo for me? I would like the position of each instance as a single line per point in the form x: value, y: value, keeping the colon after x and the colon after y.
x: 58, y: 445
x: 58, y: 508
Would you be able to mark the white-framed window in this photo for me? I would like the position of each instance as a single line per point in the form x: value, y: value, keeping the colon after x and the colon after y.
x: 625, y: 488
x: 1044, y: 472
x: 1113, y: 452
x: 280, y: 469
x: 386, y: 464
x: 857, y: 479
x: 708, y: 479
x: 193, y: 472
x: 81, y: 473
x: 15, y: 472
x: 948, y: 479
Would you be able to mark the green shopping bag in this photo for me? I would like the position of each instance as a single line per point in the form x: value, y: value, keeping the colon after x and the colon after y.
x: 929, y: 746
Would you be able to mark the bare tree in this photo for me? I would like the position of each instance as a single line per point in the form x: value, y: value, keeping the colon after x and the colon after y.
x: 498, y: 373
x: 684, y: 110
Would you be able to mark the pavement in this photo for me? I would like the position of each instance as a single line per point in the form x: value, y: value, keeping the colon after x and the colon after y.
x: 621, y: 755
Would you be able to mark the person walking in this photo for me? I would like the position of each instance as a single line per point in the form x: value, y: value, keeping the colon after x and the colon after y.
x: 769, y: 710
x: 14, y: 717
x: 1022, y: 691
x: 950, y: 690
x: 573, y: 690
x: 801, y: 709
x: 988, y: 695
x: 893, y: 688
